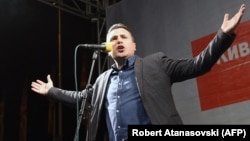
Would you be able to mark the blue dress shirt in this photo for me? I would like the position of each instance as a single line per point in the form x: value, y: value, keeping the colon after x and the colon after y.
x: 123, y: 102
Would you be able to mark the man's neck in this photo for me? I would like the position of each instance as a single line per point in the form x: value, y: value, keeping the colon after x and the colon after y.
x: 119, y: 62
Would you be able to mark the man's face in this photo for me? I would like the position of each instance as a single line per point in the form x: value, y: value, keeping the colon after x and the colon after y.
x: 123, y: 45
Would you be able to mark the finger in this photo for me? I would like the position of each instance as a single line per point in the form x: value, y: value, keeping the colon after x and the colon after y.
x: 241, y: 11
x: 35, y: 90
x: 48, y: 78
x: 35, y: 85
x: 242, y: 8
x: 40, y: 82
x: 237, y: 17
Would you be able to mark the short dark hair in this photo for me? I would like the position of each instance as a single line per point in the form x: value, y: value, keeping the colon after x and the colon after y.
x: 120, y: 25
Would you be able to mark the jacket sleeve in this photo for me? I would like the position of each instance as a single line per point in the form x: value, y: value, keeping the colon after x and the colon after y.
x: 66, y: 97
x: 183, y: 69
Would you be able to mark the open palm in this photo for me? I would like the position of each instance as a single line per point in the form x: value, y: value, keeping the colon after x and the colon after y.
x: 42, y: 87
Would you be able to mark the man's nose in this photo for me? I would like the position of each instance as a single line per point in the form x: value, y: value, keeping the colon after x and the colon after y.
x: 119, y: 40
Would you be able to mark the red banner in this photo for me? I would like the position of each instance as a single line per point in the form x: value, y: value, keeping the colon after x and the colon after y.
x: 229, y: 80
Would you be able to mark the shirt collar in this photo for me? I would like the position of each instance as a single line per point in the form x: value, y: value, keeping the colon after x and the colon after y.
x: 127, y: 64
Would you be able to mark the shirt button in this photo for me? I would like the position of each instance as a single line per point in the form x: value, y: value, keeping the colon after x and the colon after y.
x: 118, y: 96
x: 118, y: 126
x: 117, y: 111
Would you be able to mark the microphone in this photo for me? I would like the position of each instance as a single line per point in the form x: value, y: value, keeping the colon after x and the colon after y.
x: 105, y: 47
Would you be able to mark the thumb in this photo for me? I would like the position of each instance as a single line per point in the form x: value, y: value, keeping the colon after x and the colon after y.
x: 49, y: 79
x: 226, y: 17
x: 50, y: 82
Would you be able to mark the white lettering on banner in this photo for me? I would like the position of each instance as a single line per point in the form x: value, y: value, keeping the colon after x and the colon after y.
x: 235, y: 52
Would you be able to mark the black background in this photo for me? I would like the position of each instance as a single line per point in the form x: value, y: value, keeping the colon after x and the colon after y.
x: 29, y: 51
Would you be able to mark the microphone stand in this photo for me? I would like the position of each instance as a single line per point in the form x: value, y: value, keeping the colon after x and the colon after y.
x: 88, y: 92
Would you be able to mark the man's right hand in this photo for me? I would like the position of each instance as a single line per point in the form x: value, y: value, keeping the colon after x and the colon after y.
x: 41, y: 87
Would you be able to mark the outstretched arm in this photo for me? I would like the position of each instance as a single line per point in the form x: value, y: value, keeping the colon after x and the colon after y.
x: 229, y: 25
x: 41, y: 87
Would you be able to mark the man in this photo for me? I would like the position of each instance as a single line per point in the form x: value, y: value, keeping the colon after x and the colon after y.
x: 138, y: 90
